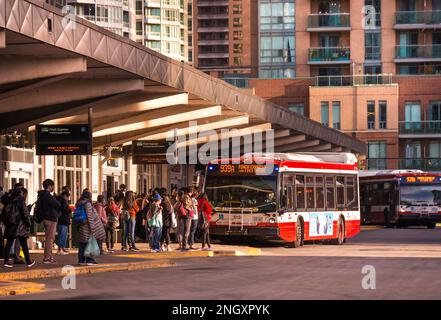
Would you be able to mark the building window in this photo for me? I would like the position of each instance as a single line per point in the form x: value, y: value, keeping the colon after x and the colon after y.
x: 237, y: 22
x: 238, y: 48
x: 237, y: 9
x: 238, y: 61
x: 371, y: 114
x: 325, y: 113
x: 382, y: 106
x: 373, y: 46
x: 336, y: 115
x: 377, y: 155
x: 297, y: 107
x: 237, y: 35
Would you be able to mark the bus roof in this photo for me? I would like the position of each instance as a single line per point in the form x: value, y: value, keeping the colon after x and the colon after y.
x: 391, y: 174
x: 306, y: 161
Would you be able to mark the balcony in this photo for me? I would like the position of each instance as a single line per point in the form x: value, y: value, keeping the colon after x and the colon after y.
x: 425, y: 164
x: 420, y: 129
x: 329, y: 55
x: 213, y: 16
x: 418, y: 53
x: 417, y: 19
x: 354, y: 80
x: 213, y: 42
x: 329, y: 22
x: 212, y: 55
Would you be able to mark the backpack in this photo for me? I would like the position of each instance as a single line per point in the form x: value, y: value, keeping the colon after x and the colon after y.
x: 38, y: 217
x: 80, y: 215
x: 11, y: 215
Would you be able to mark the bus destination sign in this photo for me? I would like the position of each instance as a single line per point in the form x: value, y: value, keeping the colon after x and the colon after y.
x: 72, y: 139
x: 420, y: 179
x: 242, y: 169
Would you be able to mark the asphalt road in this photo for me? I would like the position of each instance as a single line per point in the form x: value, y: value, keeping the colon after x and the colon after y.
x: 407, y: 265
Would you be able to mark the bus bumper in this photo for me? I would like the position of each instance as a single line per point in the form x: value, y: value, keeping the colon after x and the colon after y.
x: 258, y: 232
x: 419, y: 219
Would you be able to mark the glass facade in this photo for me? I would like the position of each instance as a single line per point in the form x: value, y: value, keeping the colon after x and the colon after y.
x: 373, y: 37
x: 277, y: 39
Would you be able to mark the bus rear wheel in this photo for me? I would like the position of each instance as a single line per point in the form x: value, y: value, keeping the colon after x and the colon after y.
x: 340, y: 233
x: 298, y: 242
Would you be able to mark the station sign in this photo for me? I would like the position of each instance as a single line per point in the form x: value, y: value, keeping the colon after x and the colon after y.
x: 69, y: 139
x: 150, y: 151
x: 420, y: 179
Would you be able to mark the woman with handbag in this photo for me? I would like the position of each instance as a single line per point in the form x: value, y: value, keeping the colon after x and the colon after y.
x: 167, y: 219
x: 204, y: 207
x: 90, y: 231
x: 112, y: 212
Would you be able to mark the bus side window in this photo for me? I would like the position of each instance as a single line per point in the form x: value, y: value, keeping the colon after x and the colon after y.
x: 330, y: 193
x: 351, y: 193
x: 340, y: 182
x: 319, y: 193
x: 300, y: 192
x: 310, y: 203
x: 287, y: 197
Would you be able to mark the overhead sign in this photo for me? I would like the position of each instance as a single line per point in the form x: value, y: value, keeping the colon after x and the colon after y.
x: 420, y: 179
x: 150, y: 151
x: 71, y: 139
x: 241, y: 169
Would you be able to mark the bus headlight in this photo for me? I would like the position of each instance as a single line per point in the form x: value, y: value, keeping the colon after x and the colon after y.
x: 272, y: 220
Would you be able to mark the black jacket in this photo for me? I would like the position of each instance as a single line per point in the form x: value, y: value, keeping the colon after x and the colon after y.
x: 65, y: 211
x: 23, y: 227
x: 48, y: 206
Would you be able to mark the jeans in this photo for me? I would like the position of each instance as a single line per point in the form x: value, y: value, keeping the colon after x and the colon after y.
x: 132, y: 230
x: 110, y: 238
x: 193, y: 228
x: 62, y: 235
x: 206, y: 237
x: 24, y: 245
x: 81, y: 257
x: 187, y: 228
x: 180, y: 231
x: 165, y: 239
x: 49, y: 229
x: 156, y: 238
x: 126, y: 239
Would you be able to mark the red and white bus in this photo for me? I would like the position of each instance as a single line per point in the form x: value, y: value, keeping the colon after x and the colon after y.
x: 400, y: 198
x: 302, y: 197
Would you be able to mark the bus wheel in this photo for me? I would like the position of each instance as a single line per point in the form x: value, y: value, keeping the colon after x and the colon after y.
x: 299, y: 234
x: 340, y: 233
x: 431, y: 225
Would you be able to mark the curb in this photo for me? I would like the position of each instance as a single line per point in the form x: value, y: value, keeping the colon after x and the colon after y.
x: 12, y: 288
x: 195, y: 254
x: 61, y: 272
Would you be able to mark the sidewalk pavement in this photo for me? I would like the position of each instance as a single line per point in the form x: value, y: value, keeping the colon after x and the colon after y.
x: 117, y: 261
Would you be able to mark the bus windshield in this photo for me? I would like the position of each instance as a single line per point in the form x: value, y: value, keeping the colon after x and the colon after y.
x: 413, y: 195
x: 257, y: 193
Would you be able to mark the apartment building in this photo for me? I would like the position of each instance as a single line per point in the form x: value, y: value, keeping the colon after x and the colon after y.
x: 162, y: 25
x: 225, y: 37
x: 113, y: 15
x: 370, y: 68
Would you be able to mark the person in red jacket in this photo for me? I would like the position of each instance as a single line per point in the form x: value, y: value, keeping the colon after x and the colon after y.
x: 205, y: 208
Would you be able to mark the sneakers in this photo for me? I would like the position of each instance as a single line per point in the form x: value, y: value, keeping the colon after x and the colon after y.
x: 83, y: 264
x: 92, y: 263
x: 31, y: 264
x: 135, y: 249
x: 62, y: 252
x: 124, y: 249
x: 49, y: 261
x: 8, y: 265
x: 169, y: 249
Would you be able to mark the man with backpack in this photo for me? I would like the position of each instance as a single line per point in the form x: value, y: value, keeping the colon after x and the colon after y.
x: 48, y: 211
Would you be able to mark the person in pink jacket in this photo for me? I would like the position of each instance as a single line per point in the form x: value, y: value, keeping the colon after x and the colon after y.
x: 99, y: 207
